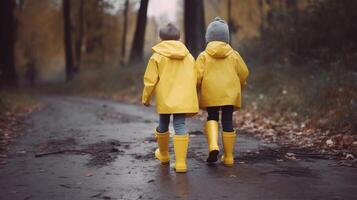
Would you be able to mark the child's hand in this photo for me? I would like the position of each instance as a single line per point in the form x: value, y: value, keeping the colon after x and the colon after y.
x: 147, y: 104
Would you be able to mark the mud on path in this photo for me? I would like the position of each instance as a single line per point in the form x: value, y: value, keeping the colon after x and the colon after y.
x: 80, y: 148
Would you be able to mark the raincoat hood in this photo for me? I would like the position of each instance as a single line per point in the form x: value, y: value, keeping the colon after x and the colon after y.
x: 218, y: 49
x: 172, y: 49
x: 222, y: 74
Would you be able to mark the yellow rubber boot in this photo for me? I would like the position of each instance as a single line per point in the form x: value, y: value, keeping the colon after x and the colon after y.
x: 162, y: 153
x: 228, y: 139
x: 180, y: 148
x: 211, y: 130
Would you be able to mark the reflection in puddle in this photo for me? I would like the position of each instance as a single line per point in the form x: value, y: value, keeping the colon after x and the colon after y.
x: 163, y: 173
x: 171, y: 182
x: 182, y: 186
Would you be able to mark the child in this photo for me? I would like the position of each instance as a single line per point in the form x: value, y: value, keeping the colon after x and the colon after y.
x: 222, y: 75
x: 172, y: 75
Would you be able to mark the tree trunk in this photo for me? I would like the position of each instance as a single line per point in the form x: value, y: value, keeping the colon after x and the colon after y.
x: 262, y: 17
x: 139, y: 37
x: 194, y: 26
x: 21, y: 3
x: 230, y: 21
x: 79, y: 39
x: 7, y: 44
x: 68, y: 39
x: 125, y: 27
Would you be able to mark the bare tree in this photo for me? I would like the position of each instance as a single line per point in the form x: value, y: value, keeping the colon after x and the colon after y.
x: 125, y: 28
x: 79, y: 39
x: 139, y: 37
x: 194, y: 26
x: 262, y: 16
x: 230, y: 20
x: 8, y: 75
x: 68, y: 39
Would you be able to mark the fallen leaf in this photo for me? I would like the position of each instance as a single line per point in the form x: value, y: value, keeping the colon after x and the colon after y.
x: 290, y: 156
x: 65, y: 186
x: 88, y: 174
x: 21, y: 152
x: 349, y: 157
x: 3, y: 156
x: 329, y: 143
x: 298, y: 133
x: 28, y: 197
x: 344, y: 163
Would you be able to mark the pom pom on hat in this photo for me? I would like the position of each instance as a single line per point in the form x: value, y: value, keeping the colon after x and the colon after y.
x: 217, y: 30
x: 169, y: 32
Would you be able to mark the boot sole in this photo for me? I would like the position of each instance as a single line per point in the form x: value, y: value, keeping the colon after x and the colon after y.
x: 213, y: 156
x: 181, y: 170
x: 165, y: 163
x: 228, y: 164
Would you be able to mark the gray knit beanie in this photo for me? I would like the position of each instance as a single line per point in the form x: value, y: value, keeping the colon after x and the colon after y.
x: 217, y: 30
x: 169, y: 32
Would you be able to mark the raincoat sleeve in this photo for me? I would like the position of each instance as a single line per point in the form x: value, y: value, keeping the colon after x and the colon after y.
x: 199, y: 65
x: 151, y: 77
x: 242, y: 71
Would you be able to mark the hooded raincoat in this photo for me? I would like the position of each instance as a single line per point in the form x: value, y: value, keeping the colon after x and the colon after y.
x: 172, y: 75
x: 222, y: 74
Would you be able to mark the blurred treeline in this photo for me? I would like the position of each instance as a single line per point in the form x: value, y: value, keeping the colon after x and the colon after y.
x: 102, y: 31
x: 312, y: 30
x: 96, y: 37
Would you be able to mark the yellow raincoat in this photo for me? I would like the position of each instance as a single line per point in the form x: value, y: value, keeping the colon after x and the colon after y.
x: 222, y: 74
x: 171, y: 74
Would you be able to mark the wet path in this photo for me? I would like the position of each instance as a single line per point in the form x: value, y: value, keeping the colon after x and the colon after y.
x: 112, y: 158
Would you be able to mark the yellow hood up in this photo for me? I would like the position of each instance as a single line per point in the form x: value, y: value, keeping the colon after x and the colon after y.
x: 218, y: 49
x: 222, y: 75
x: 172, y: 49
x: 171, y: 75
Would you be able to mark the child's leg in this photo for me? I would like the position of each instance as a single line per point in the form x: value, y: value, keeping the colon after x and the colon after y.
x: 163, y: 137
x: 179, y: 121
x: 228, y: 135
x: 181, y: 140
x: 213, y: 113
x: 211, y: 131
x: 164, y: 122
x: 227, y: 118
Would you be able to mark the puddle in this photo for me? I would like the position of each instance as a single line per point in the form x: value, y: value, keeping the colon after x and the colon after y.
x: 280, y: 154
x: 292, y: 171
x: 101, y: 153
x: 116, y: 117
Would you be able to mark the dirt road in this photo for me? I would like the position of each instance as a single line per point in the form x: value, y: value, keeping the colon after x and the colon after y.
x: 104, y: 150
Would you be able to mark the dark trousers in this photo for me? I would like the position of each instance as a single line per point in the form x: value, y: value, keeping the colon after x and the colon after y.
x: 226, y: 118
